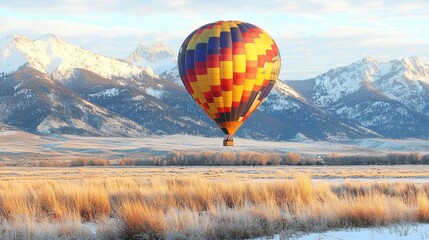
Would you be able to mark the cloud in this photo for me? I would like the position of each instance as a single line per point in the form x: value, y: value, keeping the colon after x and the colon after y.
x: 118, y: 41
x: 313, y: 35
x: 305, y: 57
x: 390, y: 7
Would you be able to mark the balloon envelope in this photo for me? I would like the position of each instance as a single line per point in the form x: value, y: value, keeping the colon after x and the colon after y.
x: 229, y: 67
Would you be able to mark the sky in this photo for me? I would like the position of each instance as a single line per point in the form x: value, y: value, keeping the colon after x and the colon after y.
x: 313, y: 35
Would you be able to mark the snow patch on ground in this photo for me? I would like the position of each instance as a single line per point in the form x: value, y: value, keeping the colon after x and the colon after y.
x: 91, y: 226
x: 404, y: 231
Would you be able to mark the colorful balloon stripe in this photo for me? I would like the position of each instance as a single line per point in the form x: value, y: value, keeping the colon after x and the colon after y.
x: 229, y: 68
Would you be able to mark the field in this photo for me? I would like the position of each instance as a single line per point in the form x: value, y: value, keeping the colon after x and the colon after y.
x: 281, y: 199
x: 25, y: 149
x: 208, y: 202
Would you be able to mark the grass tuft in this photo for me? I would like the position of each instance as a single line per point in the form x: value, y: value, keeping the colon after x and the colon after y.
x: 165, y: 206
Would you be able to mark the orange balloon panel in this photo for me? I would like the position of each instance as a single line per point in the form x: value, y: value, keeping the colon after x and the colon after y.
x: 229, y: 67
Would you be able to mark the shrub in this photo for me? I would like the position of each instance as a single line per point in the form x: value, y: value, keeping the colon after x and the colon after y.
x: 53, y: 163
x: 293, y: 158
x: 127, y: 162
x: 80, y: 162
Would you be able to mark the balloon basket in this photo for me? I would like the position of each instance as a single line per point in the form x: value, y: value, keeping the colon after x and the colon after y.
x: 228, y: 143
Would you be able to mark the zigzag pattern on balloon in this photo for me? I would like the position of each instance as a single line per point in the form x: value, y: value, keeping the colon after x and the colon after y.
x: 229, y: 67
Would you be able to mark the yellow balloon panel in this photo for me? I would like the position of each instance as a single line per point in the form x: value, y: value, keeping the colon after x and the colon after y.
x: 229, y: 67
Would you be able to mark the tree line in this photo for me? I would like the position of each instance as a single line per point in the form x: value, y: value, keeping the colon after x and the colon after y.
x: 249, y: 158
x: 262, y: 159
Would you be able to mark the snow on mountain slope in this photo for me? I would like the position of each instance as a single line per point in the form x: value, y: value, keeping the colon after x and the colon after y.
x: 105, y: 96
x: 160, y: 106
x: 390, y: 98
x: 416, y: 69
x: 159, y: 57
x: 12, y: 58
x: 286, y: 90
x: 278, y: 98
x: 406, y: 81
x: 30, y: 101
x: 337, y: 83
x: 53, y: 56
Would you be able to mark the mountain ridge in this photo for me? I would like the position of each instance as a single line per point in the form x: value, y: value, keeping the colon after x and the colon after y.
x: 157, y: 56
x: 55, y: 57
x: 390, y: 98
x: 145, y: 96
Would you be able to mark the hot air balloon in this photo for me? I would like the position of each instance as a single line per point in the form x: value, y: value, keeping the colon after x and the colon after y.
x: 229, y: 68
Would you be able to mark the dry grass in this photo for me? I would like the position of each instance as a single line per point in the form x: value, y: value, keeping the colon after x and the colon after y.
x: 335, y: 173
x: 165, y: 206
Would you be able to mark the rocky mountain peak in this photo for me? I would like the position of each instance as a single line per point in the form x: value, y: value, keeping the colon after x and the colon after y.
x: 52, y: 55
x: 50, y: 37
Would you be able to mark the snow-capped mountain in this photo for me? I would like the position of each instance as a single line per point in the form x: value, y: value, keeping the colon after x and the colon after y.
x: 391, y: 98
x: 157, y: 104
x: 31, y: 101
x: 403, y: 80
x: 157, y: 56
x: 406, y: 81
x: 57, y: 58
x: 304, y: 120
x: 49, y: 86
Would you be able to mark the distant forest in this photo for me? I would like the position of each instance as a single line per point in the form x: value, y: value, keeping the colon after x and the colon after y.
x: 250, y: 158
x: 262, y: 159
x: 209, y: 158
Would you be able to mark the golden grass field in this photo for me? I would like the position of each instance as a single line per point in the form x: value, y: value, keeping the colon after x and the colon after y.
x: 206, y: 202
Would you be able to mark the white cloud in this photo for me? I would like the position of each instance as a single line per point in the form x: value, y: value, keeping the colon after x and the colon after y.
x: 313, y: 35
x: 409, y: 8
x: 116, y: 41
x: 308, y: 56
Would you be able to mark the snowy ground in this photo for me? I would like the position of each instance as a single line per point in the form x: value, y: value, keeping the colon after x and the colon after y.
x: 15, y: 144
x: 405, y: 231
